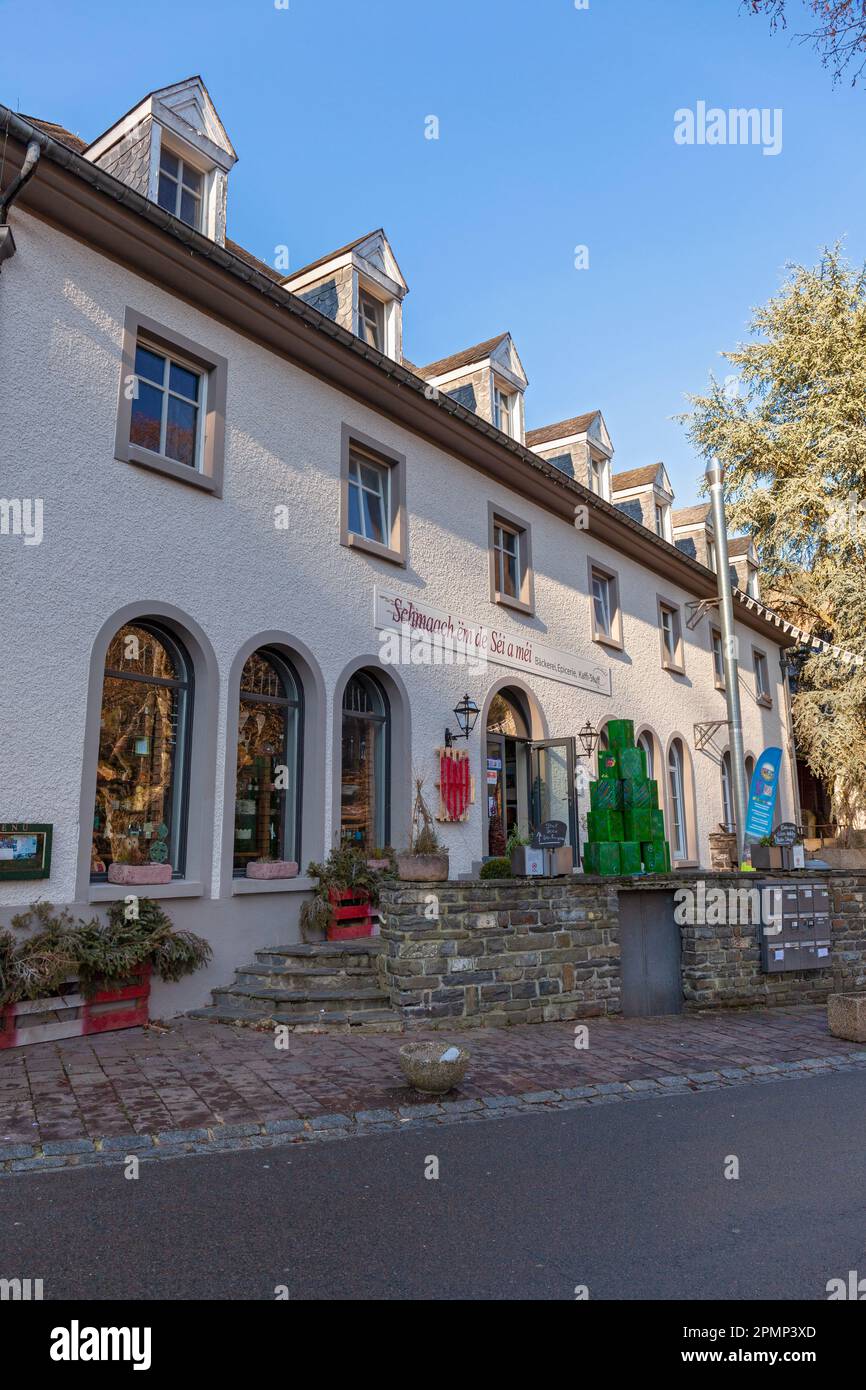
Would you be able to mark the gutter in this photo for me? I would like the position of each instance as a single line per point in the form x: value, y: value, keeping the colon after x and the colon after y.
x: 145, y: 238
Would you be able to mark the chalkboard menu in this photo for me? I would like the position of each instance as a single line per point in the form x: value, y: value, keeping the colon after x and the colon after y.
x: 552, y: 834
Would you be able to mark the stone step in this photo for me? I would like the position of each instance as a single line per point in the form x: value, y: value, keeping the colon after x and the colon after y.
x: 330, y: 1021
x: 336, y: 955
x: 262, y: 999
x: 299, y: 977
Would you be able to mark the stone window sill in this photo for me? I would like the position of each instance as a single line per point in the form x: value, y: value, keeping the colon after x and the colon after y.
x: 299, y: 884
x: 116, y: 892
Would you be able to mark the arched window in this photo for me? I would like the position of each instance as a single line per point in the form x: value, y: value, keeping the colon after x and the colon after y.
x: 727, y: 793
x: 645, y: 741
x: 365, y: 811
x: 268, y: 797
x: 676, y: 785
x: 144, y: 734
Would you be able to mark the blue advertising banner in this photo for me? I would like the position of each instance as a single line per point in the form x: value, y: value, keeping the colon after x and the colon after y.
x: 762, y: 794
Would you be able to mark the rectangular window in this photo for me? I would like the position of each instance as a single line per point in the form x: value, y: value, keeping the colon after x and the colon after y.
x: 510, y: 546
x: 601, y: 602
x: 596, y: 475
x: 369, y: 497
x: 605, y: 612
x: 167, y: 406
x: 171, y: 405
x: 762, y: 679
x: 503, y: 411
x: 180, y: 188
x: 711, y: 554
x: 371, y: 320
x: 509, y: 573
x: 718, y: 659
x: 670, y: 628
x: 660, y: 520
x: 373, y: 497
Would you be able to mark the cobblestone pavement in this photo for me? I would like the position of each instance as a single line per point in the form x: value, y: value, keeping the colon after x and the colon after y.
x: 189, y: 1086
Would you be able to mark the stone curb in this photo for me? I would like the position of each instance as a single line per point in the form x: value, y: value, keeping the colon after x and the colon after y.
x: 56, y: 1155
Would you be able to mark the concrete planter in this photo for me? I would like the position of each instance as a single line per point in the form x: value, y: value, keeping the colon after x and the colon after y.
x: 141, y: 874
x: 846, y: 1016
x: 377, y: 866
x: 422, y: 868
x: 766, y: 856
x: 277, y: 868
x: 424, y: 1069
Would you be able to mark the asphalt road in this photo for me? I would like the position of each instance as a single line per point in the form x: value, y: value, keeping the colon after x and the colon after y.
x: 629, y: 1199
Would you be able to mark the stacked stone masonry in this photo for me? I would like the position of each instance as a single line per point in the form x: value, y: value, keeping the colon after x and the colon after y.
x: 533, y: 950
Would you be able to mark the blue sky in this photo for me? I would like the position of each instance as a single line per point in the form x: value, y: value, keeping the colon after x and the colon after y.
x: 555, y: 130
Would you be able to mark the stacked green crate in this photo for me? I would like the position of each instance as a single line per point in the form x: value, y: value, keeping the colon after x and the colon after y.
x: 626, y: 829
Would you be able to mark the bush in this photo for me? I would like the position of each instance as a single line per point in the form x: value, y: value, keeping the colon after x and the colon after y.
x: 95, y: 953
x: 496, y: 868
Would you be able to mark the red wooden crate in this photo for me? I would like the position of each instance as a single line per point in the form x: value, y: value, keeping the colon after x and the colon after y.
x: 351, y: 914
x: 70, y: 1015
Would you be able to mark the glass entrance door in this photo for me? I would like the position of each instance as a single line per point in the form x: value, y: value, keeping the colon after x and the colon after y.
x: 552, y: 786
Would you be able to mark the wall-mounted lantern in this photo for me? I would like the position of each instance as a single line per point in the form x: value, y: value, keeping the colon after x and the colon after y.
x: 466, y: 713
x: 588, y: 737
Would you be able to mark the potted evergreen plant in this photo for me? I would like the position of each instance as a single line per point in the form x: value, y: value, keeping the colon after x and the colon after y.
x: 425, y: 861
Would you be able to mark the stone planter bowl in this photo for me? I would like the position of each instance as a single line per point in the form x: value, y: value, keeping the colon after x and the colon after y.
x: 276, y: 868
x: 422, y: 868
x: 423, y: 1069
x: 139, y: 873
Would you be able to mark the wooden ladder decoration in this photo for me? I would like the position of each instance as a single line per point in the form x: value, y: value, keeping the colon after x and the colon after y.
x: 456, y: 784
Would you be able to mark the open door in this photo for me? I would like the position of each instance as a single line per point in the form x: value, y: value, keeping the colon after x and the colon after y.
x: 551, y: 783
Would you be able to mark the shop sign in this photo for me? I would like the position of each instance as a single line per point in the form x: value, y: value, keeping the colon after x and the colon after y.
x: 424, y: 635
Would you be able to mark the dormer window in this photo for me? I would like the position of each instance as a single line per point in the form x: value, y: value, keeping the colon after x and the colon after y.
x: 180, y: 188
x: 503, y: 411
x: 661, y: 513
x: 711, y: 554
x: 599, y: 475
x: 371, y: 320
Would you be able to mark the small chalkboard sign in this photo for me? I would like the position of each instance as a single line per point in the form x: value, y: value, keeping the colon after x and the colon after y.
x: 551, y: 835
x: 786, y: 834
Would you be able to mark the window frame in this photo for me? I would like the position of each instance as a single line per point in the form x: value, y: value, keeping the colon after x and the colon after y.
x: 381, y: 319
x: 497, y: 517
x: 676, y: 664
x: 293, y: 710
x: 181, y: 753
x: 354, y: 441
x: 207, y: 475
x: 718, y: 677
x: 614, y: 638
x: 200, y: 197
x: 504, y: 400
x: 760, y: 663
x: 675, y: 750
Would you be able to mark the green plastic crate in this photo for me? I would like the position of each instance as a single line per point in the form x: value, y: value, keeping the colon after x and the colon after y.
x: 590, y: 857
x: 637, y: 824
x: 604, y: 825
x: 667, y: 856
x: 657, y: 826
x: 630, y: 858
x: 632, y: 763
x: 620, y: 734
x: 605, y: 795
x: 608, y: 857
x: 608, y: 765
x: 656, y: 858
x: 639, y: 795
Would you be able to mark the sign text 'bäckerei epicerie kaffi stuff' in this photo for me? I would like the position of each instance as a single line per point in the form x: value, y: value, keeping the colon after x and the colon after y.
x: 423, y: 634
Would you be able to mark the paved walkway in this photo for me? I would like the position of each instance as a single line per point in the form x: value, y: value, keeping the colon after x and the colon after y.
x: 192, y: 1083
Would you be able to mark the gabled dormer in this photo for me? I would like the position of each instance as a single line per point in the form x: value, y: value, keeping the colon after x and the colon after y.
x: 744, y: 564
x: 173, y: 149
x: 488, y: 379
x: 581, y: 447
x: 360, y: 287
x: 694, y: 534
x: 646, y: 495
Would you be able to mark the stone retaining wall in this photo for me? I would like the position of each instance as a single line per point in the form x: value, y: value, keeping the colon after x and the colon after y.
x: 532, y: 950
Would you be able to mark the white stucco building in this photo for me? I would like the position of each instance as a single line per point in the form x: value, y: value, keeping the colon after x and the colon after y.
x: 223, y: 486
